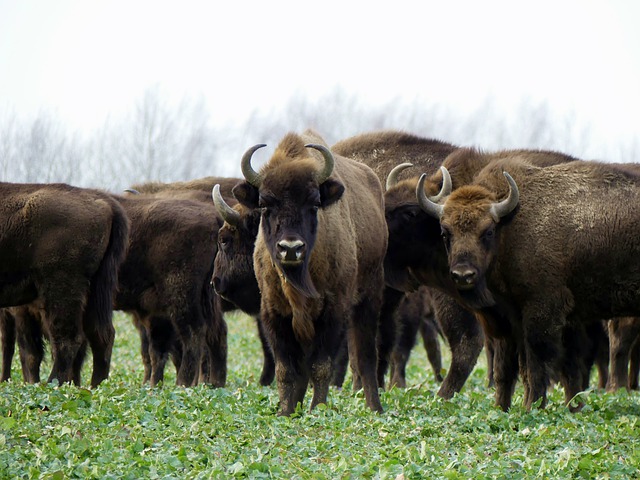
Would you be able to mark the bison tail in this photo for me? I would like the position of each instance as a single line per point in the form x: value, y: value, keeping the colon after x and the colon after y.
x: 99, y: 308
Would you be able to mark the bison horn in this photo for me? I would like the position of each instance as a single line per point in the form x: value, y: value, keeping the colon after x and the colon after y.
x: 446, y: 188
x: 506, y: 206
x: 392, y: 178
x: 227, y: 213
x: 132, y: 190
x: 249, y: 173
x: 432, y: 208
x: 329, y: 161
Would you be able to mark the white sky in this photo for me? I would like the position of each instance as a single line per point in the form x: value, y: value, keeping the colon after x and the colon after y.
x: 87, y: 59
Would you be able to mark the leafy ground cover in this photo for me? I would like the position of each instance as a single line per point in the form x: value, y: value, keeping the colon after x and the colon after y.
x: 124, y: 430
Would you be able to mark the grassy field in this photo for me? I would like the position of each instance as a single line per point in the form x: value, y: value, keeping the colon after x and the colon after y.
x: 125, y: 430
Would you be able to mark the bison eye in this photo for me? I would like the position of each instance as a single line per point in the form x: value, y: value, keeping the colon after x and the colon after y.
x: 446, y: 236
x: 223, y: 242
x: 489, y: 233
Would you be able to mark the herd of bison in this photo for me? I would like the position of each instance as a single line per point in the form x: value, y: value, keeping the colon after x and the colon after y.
x: 343, y: 254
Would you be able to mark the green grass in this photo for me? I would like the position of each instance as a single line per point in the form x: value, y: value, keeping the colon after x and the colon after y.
x: 124, y: 430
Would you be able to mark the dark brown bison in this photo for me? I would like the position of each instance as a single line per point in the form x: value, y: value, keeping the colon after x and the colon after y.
x: 61, y: 249
x: 539, y: 256
x: 165, y: 284
x: 245, y: 294
x: 318, y: 260
x: 416, y: 254
x: 233, y: 277
x: 383, y: 151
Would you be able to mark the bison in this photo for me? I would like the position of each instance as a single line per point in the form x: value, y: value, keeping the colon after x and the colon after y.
x: 165, y: 283
x: 382, y: 151
x: 318, y: 259
x: 61, y: 248
x: 243, y: 295
x: 538, y: 257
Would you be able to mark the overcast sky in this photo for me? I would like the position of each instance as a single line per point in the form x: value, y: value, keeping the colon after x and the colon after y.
x: 88, y: 59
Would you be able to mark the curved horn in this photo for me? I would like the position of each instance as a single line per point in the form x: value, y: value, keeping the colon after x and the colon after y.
x: 132, y: 190
x: 227, y: 213
x: 446, y: 188
x: 506, y: 206
x: 432, y: 208
x: 392, y: 178
x: 249, y: 173
x: 325, y: 173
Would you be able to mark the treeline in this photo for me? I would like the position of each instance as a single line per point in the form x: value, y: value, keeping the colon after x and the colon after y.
x: 159, y: 141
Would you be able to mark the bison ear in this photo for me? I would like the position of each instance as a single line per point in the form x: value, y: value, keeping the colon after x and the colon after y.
x: 330, y: 192
x: 246, y: 194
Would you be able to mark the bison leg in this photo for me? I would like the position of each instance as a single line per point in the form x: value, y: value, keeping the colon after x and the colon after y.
x: 489, y: 352
x: 340, y: 363
x: 161, y: 339
x: 144, y: 346
x: 387, y: 331
x: 465, y: 338
x: 8, y: 336
x: 66, y: 345
x: 191, y: 328
x: 292, y: 376
x: 578, y: 355
x: 362, y: 348
x: 429, y: 334
x: 634, y: 365
x: 216, y: 349
x: 542, y: 329
x: 407, y: 324
x: 78, y: 363
x: 101, y: 342
x: 328, y: 343
x: 623, y: 333
x: 602, y: 355
x: 268, y: 365
x: 30, y: 341
x: 505, y: 368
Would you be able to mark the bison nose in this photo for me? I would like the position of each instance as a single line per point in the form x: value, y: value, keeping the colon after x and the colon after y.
x: 464, y: 276
x: 291, y: 250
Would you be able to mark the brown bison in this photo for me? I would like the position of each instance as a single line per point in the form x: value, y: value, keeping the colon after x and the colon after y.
x: 61, y: 249
x: 165, y: 284
x: 233, y: 277
x: 539, y: 256
x: 416, y: 254
x: 318, y: 260
x: 383, y: 151
x: 244, y: 295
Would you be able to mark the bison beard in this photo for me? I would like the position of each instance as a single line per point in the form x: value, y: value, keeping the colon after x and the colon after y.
x: 478, y: 297
x: 298, y: 277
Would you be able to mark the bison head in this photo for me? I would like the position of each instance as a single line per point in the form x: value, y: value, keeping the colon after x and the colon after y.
x: 469, y: 219
x: 289, y: 193
x: 415, y: 250
x: 233, y: 275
